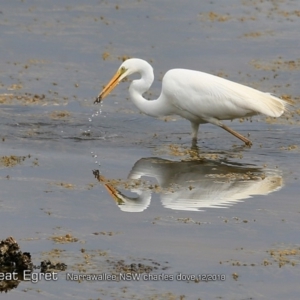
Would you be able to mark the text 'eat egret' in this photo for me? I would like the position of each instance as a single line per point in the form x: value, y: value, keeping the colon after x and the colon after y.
x: 196, y: 96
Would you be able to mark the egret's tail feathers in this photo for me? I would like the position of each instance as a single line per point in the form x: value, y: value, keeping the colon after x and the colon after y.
x: 275, y: 106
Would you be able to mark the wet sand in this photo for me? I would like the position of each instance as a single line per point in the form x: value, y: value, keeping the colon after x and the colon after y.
x: 225, y: 216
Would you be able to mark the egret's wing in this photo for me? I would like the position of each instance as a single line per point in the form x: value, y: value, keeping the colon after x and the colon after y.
x: 210, y: 96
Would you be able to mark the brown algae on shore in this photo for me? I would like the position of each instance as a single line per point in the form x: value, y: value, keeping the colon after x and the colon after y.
x: 64, y: 239
x: 60, y: 114
x: 11, y: 161
x: 285, y: 256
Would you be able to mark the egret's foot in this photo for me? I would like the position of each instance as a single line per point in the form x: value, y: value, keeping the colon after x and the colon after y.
x: 248, y: 143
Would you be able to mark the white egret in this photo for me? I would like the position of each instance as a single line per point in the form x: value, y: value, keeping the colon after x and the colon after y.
x: 196, y: 96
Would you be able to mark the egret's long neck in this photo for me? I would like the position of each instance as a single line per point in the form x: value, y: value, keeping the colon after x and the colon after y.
x: 153, y: 108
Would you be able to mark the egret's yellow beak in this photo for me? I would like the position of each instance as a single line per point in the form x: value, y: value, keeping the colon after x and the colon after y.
x: 111, y: 85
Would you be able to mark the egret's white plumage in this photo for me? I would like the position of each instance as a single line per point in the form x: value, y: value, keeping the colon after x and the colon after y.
x: 196, y: 96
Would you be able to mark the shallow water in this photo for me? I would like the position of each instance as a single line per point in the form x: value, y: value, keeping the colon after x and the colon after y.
x: 224, y: 209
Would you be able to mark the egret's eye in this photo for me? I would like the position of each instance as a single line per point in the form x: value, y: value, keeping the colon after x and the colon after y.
x: 123, y: 69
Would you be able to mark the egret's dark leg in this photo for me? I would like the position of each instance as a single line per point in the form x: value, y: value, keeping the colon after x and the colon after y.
x: 194, y: 144
x: 195, y: 128
x: 236, y: 134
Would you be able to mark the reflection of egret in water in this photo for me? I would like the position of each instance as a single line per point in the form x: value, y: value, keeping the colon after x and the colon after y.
x: 193, y: 185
